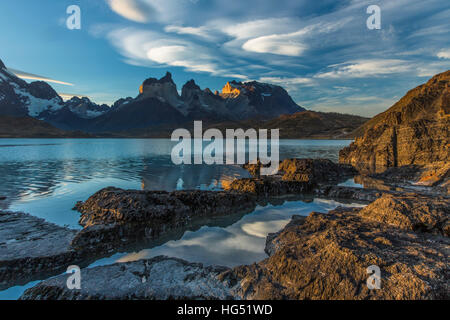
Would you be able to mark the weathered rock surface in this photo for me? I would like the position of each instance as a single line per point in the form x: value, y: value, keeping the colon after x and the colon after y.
x: 411, y: 212
x: 31, y: 247
x: 295, y: 176
x: 112, y: 205
x: 349, y: 193
x: 306, y: 170
x: 160, y: 278
x: 115, y: 215
x: 415, y: 131
x: 314, y: 170
x: 269, y: 186
x: 326, y: 257
x: 322, y: 256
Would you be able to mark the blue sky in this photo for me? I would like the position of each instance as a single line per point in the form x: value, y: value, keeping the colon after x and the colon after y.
x: 321, y: 51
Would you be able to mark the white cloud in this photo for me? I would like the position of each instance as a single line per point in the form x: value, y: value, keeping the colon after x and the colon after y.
x: 201, y: 32
x: 285, y: 45
x: 294, y: 43
x: 148, y: 48
x: 182, y: 56
x: 258, y: 28
x: 366, y: 68
x: 135, y: 10
x: 444, y: 54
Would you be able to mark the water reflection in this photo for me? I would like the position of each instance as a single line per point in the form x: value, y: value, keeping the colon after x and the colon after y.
x: 46, y: 177
x: 241, y: 242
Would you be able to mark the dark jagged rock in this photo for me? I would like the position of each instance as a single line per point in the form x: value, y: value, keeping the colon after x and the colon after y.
x: 326, y: 257
x: 31, y: 248
x: 2, y: 65
x: 269, y: 186
x: 166, y: 79
x: 113, y: 215
x: 112, y: 205
x: 414, y: 131
x: 295, y: 176
x: 144, y: 280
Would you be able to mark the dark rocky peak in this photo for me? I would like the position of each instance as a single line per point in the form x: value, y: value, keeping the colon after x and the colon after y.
x: 2, y: 65
x: 190, y: 90
x: 191, y: 85
x: 165, y: 79
x: 77, y: 100
x: 42, y: 90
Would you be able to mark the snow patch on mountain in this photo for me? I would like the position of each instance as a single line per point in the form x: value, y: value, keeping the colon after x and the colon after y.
x: 35, y: 105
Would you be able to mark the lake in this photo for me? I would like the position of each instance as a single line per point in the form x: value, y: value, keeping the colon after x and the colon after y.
x: 46, y: 177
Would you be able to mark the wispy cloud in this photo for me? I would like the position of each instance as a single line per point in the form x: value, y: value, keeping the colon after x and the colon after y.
x: 30, y: 76
x: 287, y: 81
x: 135, y: 10
x: 366, y: 68
x: 149, y: 48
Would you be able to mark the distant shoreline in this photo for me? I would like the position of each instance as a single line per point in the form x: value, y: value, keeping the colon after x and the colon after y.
x: 159, y: 138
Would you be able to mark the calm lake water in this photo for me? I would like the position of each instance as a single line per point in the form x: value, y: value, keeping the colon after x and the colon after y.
x: 46, y: 177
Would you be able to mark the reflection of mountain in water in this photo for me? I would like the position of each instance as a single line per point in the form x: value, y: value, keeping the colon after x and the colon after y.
x: 189, y: 177
x: 42, y: 178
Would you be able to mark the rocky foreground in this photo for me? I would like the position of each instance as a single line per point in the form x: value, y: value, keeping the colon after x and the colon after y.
x: 31, y: 248
x: 405, y: 233
x: 323, y: 256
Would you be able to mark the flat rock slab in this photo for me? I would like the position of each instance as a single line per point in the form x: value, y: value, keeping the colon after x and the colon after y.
x: 31, y: 246
x: 160, y: 278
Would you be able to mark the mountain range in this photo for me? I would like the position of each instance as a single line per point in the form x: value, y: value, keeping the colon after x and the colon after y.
x: 158, y: 108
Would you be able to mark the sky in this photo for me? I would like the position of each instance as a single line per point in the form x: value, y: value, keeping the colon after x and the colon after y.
x: 322, y: 52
